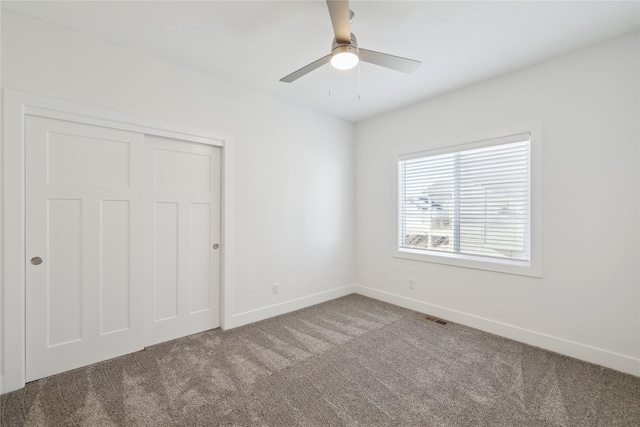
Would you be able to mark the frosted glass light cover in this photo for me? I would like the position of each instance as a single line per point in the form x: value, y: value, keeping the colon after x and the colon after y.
x: 344, y: 60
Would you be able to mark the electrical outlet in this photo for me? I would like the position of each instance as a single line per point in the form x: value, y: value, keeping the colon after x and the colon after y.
x: 276, y: 288
x: 411, y: 284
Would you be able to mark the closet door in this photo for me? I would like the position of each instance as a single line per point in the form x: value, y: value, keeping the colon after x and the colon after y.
x: 182, y: 238
x: 84, y: 244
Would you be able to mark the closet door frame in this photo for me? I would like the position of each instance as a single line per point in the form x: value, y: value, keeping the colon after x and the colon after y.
x: 16, y: 107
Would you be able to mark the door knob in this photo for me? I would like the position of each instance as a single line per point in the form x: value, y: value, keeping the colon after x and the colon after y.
x: 36, y: 260
x: 216, y: 246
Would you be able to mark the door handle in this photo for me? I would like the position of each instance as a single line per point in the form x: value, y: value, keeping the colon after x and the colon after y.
x: 36, y: 260
x: 216, y: 246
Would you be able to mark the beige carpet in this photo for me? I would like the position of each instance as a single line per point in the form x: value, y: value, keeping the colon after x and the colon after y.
x: 348, y: 362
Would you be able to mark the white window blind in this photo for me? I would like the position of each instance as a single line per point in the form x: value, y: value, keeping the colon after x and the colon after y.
x: 474, y: 202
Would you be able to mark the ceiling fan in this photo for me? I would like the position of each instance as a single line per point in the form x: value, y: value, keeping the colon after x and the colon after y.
x: 345, y: 53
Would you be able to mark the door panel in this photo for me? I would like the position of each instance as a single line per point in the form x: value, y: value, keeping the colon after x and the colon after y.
x: 116, y: 254
x: 166, y: 265
x: 184, y: 294
x: 84, y: 220
x: 199, y: 262
x: 99, y: 161
x: 171, y: 166
x: 64, y: 285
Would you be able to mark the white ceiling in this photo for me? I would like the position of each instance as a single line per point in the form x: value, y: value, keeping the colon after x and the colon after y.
x: 254, y: 44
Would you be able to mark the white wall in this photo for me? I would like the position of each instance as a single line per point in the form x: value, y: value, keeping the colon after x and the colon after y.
x: 588, y: 302
x: 293, y: 168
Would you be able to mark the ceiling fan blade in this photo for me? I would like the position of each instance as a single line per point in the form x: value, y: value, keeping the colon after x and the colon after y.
x: 340, y: 19
x: 397, y: 63
x: 306, y: 69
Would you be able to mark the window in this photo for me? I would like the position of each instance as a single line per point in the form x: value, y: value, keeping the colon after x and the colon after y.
x: 468, y: 205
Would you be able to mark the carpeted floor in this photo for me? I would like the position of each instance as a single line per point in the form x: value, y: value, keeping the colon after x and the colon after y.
x: 351, y: 361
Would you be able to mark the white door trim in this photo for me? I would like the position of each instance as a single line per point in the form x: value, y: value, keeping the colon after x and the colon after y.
x: 18, y: 105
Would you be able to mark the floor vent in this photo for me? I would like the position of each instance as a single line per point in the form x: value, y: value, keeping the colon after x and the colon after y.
x: 435, y: 319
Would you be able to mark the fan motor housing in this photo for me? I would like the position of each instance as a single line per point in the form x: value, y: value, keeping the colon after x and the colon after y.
x: 352, y: 46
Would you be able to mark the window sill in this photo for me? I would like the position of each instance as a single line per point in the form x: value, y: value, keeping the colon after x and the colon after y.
x: 467, y: 261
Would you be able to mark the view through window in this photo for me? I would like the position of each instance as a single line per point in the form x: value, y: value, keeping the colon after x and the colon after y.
x: 474, y: 202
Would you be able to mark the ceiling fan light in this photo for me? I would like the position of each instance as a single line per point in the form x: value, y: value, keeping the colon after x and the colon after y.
x: 344, y: 57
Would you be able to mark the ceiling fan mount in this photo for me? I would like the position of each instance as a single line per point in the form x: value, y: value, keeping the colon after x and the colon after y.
x: 345, y: 53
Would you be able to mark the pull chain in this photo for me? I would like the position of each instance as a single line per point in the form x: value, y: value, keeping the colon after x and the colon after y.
x: 358, y: 81
x: 331, y: 80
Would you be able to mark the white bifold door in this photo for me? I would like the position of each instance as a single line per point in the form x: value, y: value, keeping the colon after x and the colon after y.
x: 120, y: 236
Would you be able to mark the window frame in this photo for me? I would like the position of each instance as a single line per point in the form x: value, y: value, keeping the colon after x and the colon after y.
x: 532, y: 268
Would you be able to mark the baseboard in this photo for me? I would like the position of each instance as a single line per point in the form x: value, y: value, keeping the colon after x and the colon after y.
x: 251, y: 316
x: 584, y: 352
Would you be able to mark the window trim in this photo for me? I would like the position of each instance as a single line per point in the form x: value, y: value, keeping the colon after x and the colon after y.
x: 533, y: 268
